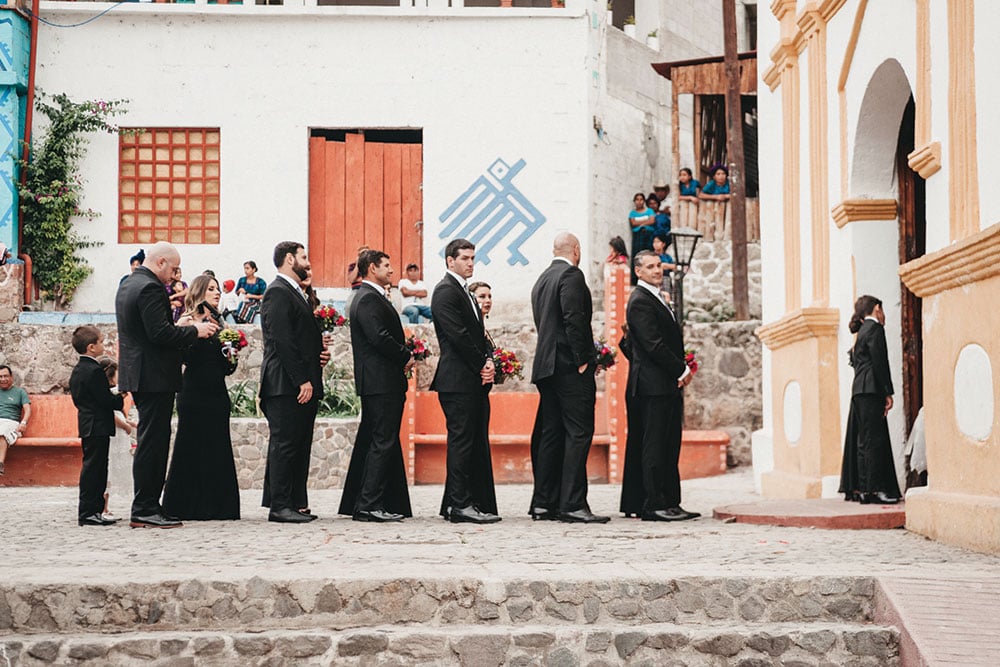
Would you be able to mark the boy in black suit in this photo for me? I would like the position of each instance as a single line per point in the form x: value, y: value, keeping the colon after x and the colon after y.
x: 95, y: 406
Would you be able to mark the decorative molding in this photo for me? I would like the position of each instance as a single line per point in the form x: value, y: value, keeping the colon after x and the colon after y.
x: 810, y: 21
x: 829, y: 8
x: 790, y: 212
x: 922, y: 120
x: 971, y: 260
x: 853, y: 210
x: 963, y: 153
x: 926, y: 160
x: 781, y: 7
x: 819, y: 166
x: 803, y: 324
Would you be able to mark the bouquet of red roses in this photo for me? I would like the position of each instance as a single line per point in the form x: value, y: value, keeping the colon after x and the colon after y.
x: 691, y: 361
x: 418, y: 348
x: 233, y: 340
x: 605, y: 354
x: 329, y: 318
x: 507, y: 365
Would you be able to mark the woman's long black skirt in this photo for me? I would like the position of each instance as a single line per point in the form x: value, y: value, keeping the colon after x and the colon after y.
x: 868, y: 465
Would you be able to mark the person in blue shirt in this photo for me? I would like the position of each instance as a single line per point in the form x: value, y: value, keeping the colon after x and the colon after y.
x: 689, y: 186
x: 661, y: 223
x: 642, y: 221
x: 718, y: 188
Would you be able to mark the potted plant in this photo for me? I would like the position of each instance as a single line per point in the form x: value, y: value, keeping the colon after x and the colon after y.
x: 630, y: 26
x: 652, y: 41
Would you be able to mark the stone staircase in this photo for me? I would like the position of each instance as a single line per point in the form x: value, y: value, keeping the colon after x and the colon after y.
x: 744, y: 621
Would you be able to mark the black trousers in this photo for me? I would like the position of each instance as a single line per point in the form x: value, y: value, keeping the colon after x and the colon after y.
x: 660, y: 418
x: 377, y: 460
x: 561, y: 444
x: 288, y: 450
x: 470, y: 466
x: 149, y: 467
x: 93, y: 474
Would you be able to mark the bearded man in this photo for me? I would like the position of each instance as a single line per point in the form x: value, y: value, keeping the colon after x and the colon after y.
x: 291, y: 384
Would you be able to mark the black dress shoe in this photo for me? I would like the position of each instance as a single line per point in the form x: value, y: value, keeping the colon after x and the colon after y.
x: 669, y: 514
x: 96, y: 520
x: 542, y: 514
x: 691, y: 515
x: 377, y: 516
x: 288, y: 515
x: 154, y: 521
x: 879, y: 498
x: 582, y: 516
x: 471, y: 515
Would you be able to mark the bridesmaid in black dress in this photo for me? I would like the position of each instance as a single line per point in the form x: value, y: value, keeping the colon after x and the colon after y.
x: 202, y: 482
x: 868, y: 474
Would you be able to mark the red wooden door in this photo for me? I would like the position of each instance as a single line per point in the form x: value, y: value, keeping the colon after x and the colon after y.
x: 362, y: 192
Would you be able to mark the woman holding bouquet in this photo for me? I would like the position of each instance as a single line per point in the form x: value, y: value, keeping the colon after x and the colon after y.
x: 202, y: 482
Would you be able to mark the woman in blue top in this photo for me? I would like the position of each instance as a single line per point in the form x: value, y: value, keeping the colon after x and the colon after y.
x: 718, y: 188
x: 641, y: 220
x: 689, y: 186
x: 250, y: 290
x: 661, y: 223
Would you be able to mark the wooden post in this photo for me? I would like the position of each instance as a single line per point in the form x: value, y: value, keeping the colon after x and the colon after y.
x: 675, y: 141
x: 734, y: 148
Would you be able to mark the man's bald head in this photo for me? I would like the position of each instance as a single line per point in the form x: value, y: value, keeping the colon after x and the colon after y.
x: 162, y: 258
x: 568, y: 246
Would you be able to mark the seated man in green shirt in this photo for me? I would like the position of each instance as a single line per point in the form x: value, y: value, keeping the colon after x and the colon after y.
x: 15, y: 411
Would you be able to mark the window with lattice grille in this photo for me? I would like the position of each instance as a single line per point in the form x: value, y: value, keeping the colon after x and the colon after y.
x: 168, y: 185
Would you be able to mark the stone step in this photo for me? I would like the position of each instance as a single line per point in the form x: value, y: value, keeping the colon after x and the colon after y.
x: 261, y: 604
x: 745, y: 645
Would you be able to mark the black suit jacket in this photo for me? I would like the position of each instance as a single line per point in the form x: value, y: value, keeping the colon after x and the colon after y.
x: 292, y: 342
x: 149, y: 344
x: 562, y: 308
x: 655, y: 346
x: 458, y: 324
x: 870, y: 358
x: 95, y: 404
x: 378, y: 343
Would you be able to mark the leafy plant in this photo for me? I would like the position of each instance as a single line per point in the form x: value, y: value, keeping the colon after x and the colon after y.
x: 630, y: 20
x: 339, y: 399
x: 651, y: 33
x: 50, y: 194
x: 243, y: 399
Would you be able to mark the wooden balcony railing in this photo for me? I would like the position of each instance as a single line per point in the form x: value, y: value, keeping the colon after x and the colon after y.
x: 714, y: 219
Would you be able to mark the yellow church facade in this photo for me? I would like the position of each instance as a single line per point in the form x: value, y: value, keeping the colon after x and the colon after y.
x: 880, y: 174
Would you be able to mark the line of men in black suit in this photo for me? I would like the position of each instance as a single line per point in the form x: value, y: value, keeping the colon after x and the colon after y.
x: 375, y: 489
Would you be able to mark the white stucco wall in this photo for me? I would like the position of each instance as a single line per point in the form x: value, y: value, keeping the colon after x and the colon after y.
x: 864, y: 256
x: 482, y: 84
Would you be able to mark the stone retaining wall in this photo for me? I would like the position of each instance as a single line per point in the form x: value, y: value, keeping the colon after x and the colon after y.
x: 725, y: 396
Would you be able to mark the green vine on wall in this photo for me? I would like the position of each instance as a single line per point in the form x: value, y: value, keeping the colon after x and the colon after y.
x: 51, y: 191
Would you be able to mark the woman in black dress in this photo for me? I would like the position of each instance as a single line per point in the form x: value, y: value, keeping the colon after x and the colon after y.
x: 202, y: 481
x: 868, y: 474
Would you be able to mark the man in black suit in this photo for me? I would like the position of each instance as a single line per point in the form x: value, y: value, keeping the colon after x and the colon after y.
x: 657, y: 375
x: 375, y: 488
x: 149, y: 349
x: 291, y: 384
x: 563, y: 370
x: 463, y: 380
x: 95, y: 417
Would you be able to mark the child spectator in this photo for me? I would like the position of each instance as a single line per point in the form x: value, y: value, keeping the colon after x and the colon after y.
x: 176, y: 290
x: 718, y: 188
x: 229, y: 303
x: 662, y: 220
x: 414, y: 293
x: 617, y: 253
x: 95, y: 404
x: 689, y: 186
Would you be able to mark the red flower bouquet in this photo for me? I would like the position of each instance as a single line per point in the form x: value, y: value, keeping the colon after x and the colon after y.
x: 691, y: 361
x: 233, y: 340
x: 507, y: 365
x: 605, y: 355
x: 418, y: 348
x: 329, y: 318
